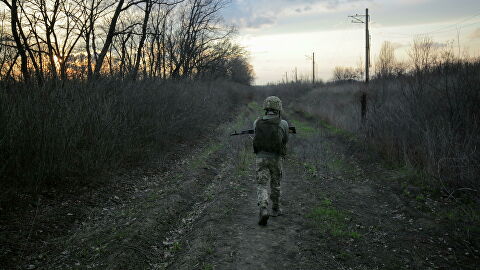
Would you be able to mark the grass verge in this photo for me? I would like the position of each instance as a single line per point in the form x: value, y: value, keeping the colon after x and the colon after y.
x: 328, y: 219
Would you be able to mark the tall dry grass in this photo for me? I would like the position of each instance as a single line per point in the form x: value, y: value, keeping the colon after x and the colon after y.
x: 59, y: 133
x: 429, y: 119
x: 287, y: 92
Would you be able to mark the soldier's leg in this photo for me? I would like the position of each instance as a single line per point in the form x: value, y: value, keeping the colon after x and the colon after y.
x: 262, y: 177
x: 275, y: 182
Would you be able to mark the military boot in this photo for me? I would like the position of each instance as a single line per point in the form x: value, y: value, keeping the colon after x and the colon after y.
x: 276, y: 211
x: 263, y: 216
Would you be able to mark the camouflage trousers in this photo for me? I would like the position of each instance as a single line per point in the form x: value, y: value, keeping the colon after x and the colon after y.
x: 268, y: 170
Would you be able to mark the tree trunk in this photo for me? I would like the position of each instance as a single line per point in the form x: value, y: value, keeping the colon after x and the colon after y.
x: 148, y: 9
x: 18, y: 42
x: 108, y: 40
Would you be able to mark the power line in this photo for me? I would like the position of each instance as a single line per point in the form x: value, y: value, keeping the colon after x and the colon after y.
x: 402, y: 35
x: 453, y: 25
x: 444, y: 29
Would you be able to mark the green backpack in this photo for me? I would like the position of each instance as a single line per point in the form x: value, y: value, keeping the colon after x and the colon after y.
x: 268, y: 136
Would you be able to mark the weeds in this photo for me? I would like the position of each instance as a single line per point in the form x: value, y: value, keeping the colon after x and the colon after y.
x: 58, y: 134
x: 242, y: 145
x: 245, y: 159
x: 207, y: 267
x: 201, y: 159
x: 311, y: 169
x: 426, y: 119
x: 255, y: 108
x: 330, y: 220
x: 337, y: 165
x: 303, y: 129
x: 176, y: 247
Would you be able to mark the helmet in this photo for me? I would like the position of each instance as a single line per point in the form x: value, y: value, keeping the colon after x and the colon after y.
x: 272, y: 103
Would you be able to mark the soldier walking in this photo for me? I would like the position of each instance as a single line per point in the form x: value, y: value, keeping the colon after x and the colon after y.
x: 269, y: 145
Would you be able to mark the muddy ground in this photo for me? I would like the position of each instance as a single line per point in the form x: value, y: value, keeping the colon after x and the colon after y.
x: 343, y: 209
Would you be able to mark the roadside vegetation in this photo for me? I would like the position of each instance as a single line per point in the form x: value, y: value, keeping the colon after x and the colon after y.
x: 89, y: 87
x: 58, y: 134
x: 422, y: 114
x: 328, y: 219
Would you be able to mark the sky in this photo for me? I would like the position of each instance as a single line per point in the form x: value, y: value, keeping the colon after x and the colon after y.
x: 281, y: 35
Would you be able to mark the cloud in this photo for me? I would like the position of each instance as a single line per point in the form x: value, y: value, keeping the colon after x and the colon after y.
x: 303, y: 9
x: 475, y: 34
x: 254, y: 22
x: 413, y: 2
x: 263, y: 13
x: 259, y: 22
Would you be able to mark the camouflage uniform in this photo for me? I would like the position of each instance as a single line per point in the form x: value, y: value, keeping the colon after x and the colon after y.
x: 269, y: 168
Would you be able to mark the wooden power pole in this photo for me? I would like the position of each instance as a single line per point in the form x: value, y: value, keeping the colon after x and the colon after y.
x: 313, y: 68
x: 358, y: 19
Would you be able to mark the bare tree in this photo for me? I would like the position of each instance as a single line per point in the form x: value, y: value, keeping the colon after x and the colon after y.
x: 8, y: 54
x: 164, y: 38
x: 92, y: 10
x: 199, y: 31
x: 109, y: 38
x: 146, y: 17
x: 13, y: 6
x: 423, y: 54
x: 346, y: 74
x: 122, y: 6
x: 385, y: 64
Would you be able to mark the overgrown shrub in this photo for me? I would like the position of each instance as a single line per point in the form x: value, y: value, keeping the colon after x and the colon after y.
x: 432, y: 120
x: 428, y: 118
x: 62, y: 132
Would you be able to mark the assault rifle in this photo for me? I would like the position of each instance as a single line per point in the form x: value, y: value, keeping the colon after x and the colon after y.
x: 291, y: 129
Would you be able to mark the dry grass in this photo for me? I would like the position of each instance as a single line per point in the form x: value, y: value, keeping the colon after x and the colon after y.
x: 61, y: 133
x: 289, y: 93
x: 428, y: 119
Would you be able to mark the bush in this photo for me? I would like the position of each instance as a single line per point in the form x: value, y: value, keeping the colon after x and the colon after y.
x: 58, y: 133
x: 429, y: 119
x: 432, y: 121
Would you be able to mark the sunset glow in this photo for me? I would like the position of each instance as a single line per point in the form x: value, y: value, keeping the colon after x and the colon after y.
x: 280, y: 36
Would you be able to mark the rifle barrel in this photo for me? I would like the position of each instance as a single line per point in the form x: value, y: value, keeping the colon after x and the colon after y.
x: 291, y: 129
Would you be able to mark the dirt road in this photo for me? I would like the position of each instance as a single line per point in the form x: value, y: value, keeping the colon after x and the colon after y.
x: 342, y: 210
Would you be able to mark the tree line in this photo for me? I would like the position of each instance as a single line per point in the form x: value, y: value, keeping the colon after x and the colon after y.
x: 129, y: 39
x: 424, y: 55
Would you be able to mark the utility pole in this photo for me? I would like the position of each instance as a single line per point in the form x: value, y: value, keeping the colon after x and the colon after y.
x: 286, y: 77
x: 313, y: 68
x: 364, y: 19
x: 296, y: 77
